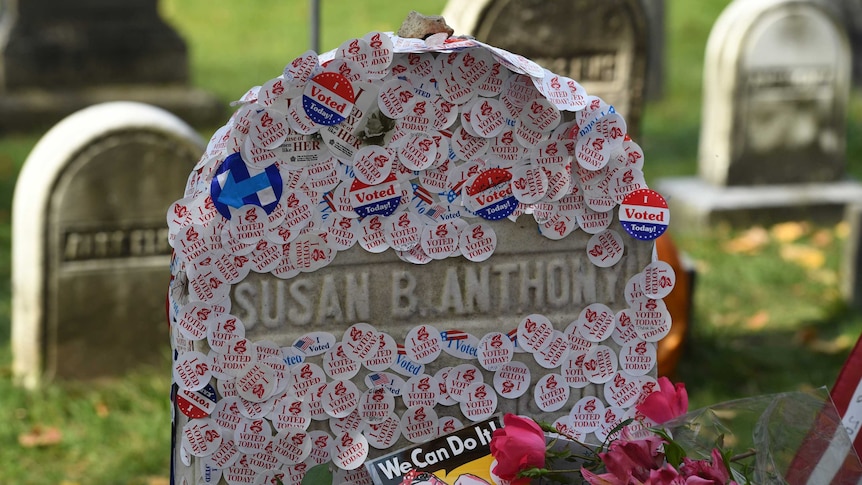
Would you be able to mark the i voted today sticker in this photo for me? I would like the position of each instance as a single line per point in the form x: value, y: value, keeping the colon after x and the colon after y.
x: 644, y: 214
x: 328, y: 98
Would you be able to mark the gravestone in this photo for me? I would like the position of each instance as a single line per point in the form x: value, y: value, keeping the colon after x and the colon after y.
x: 603, y: 44
x: 89, y: 255
x: 850, y: 13
x: 331, y: 267
x: 773, y: 136
x: 57, y: 57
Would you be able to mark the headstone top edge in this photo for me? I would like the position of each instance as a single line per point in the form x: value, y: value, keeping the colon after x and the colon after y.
x: 69, y: 136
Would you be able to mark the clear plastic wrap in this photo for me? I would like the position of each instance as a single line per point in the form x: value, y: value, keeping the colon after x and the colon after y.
x: 789, y: 438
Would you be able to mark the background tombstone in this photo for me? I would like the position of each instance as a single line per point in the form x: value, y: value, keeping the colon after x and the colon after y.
x: 772, y: 145
x: 850, y: 13
x: 57, y: 57
x: 608, y: 56
x: 89, y: 251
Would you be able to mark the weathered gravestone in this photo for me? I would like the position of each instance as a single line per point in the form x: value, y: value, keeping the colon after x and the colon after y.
x: 773, y: 136
x: 849, y: 12
x: 88, y: 247
x: 57, y: 57
x: 334, y: 290
x: 602, y: 44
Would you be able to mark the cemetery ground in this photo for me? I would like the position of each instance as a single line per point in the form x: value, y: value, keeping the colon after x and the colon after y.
x: 768, y: 312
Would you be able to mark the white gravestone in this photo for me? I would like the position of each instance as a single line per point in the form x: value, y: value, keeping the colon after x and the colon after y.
x: 88, y: 249
x: 773, y: 137
x: 351, y: 264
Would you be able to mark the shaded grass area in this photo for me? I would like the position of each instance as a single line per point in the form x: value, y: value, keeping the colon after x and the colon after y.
x: 768, y: 314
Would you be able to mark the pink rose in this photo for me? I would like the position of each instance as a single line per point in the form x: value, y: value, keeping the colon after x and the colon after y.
x: 709, y: 473
x: 663, y: 405
x: 518, y: 445
x: 628, y: 462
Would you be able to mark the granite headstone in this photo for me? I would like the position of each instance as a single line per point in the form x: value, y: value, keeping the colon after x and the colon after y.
x: 89, y: 250
x: 57, y: 57
x: 601, y: 43
x: 773, y: 136
x: 329, y: 263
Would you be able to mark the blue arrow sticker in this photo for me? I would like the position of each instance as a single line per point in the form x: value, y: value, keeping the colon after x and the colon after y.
x: 235, y: 186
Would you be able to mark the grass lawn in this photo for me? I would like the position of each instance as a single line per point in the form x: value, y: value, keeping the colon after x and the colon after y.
x: 768, y: 314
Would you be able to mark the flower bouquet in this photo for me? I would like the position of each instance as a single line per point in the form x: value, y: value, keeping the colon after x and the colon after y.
x: 789, y: 438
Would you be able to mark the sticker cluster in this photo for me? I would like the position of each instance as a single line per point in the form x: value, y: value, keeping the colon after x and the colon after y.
x: 418, y: 146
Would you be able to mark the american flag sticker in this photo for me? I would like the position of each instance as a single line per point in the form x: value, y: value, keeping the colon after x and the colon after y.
x: 304, y: 343
x: 379, y: 379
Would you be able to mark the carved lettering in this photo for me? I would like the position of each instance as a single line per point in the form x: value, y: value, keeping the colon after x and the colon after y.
x: 86, y: 245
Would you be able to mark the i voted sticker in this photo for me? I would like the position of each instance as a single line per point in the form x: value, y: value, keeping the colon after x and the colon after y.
x: 385, y: 433
x: 423, y: 344
x: 659, y: 279
x: 291, y: 446
x: 490, y: 194
x: 197, y: 404
x: 201, y: 437
x: 553, y: 354
x: 551, y: 393
x: 328, y: 98
x: 572, y: 369
x: 512, y: 380
x: 622, y: 390
x: 419, y: 424
x: 644, y: 214
x: 605, y: 249
x: 495, y: 350
x: 421, y: 390
x: 600, y: 364
x: 534, y: 333
x: 460, y: 378
x: 481, y: 402
x: 596, y: 322
x: 478, y: 242
x: 376, y: 405
x: 586, y: 414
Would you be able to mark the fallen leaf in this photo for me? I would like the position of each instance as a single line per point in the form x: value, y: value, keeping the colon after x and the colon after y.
x: 787, y: 232
x: 837, y: 345
x: 758, y: 320
x: 822, y: 238
x: 39, y: 436
x: 842, y: 230
x: 102, y: 410
x: 805, y: 256
x: 748, y: 242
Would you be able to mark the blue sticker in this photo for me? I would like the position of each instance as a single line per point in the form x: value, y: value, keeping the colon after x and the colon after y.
x: 234, y: 186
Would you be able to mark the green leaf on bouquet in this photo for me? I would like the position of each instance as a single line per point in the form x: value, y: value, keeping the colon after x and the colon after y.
x: 318, y: 475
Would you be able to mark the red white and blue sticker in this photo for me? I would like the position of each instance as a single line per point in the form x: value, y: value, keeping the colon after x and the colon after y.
x: 644, y: 214
x: 328, y: 98
x: 490, y: 194
x: 234, y: 185
x: 197, y: 404
x: 381, y: 199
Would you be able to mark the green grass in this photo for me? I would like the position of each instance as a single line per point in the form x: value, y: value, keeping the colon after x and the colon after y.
x: 762, y: 323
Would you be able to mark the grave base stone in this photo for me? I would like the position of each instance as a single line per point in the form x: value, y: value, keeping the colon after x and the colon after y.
x: 59, y: 57
x: 89, y: 251
x: 697, y: 204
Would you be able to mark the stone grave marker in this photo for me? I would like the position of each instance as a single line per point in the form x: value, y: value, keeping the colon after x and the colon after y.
x: 332, y: 268
x: 603, y: 43
x: 773, y: 137
x: 57, y: 57
x: 89, y: 251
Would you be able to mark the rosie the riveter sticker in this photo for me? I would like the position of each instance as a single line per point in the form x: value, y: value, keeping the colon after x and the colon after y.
x: 644, y: 214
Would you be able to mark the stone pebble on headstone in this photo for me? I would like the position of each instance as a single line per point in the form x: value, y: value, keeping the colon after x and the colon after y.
x: 317, y: 285
x: 89, y: 242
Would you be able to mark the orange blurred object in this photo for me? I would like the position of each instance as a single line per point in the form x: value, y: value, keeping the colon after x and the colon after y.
x: 679, y: 303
